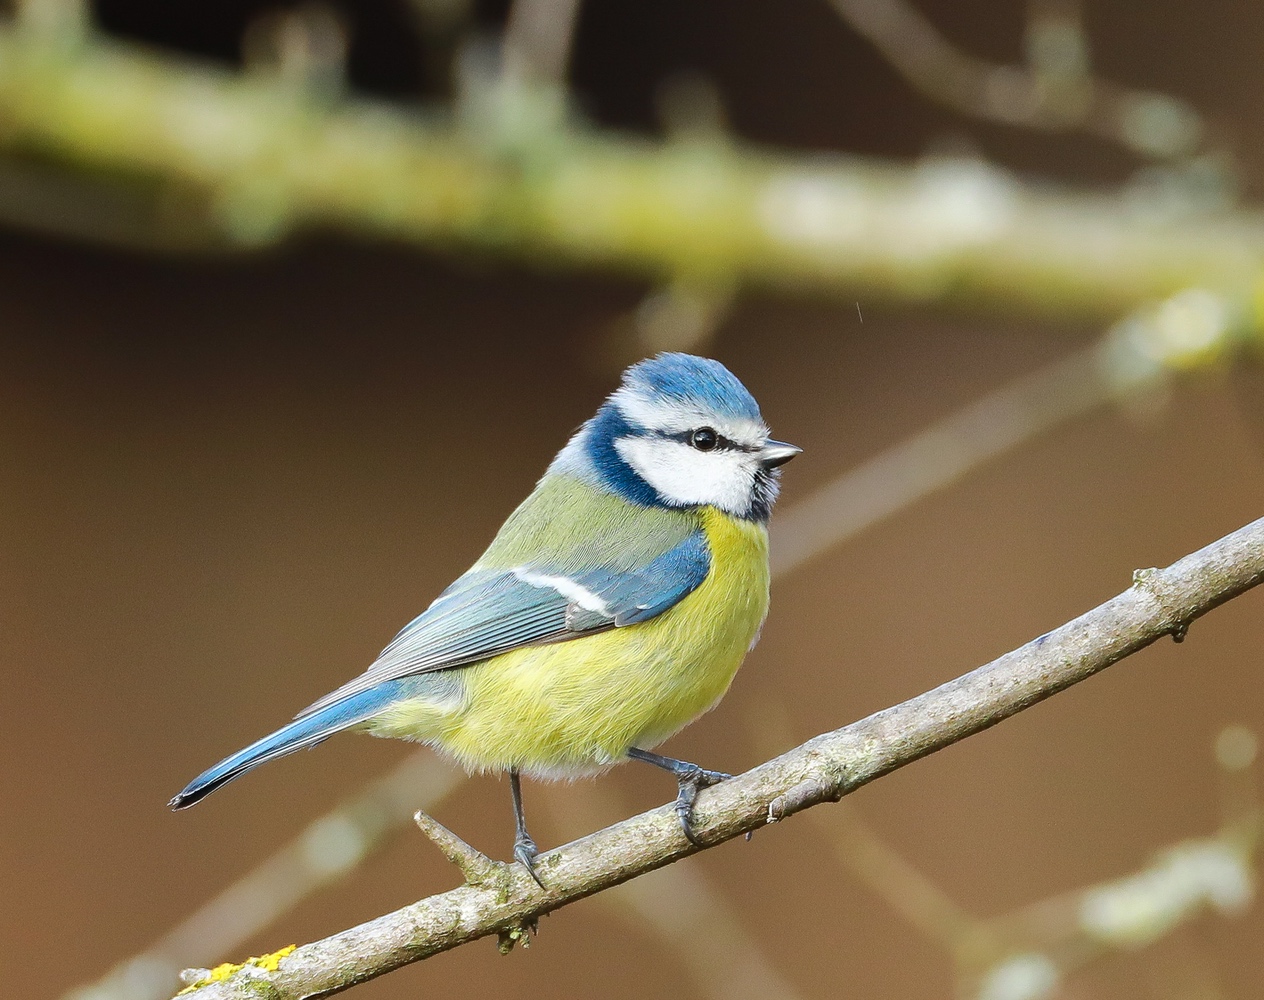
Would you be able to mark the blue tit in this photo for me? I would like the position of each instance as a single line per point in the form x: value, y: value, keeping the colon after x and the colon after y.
x: 612, y: 609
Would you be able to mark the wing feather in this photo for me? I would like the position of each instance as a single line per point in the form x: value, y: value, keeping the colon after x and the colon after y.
x: 489, y: 612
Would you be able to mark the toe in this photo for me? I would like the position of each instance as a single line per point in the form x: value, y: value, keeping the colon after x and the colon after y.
x: 525, y: 853
x: 686, y: 826
x: 684, y: 812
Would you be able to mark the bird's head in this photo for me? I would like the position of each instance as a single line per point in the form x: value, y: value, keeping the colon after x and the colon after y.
x: 680, y: 431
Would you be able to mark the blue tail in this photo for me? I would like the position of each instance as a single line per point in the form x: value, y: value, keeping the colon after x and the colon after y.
x: 304, y: 732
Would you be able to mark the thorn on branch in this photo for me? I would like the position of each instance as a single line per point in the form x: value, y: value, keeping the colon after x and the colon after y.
x: 477, y: 868
x: 482, y: 872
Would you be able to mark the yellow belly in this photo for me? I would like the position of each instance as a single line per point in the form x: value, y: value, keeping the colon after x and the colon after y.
x: 577, y: 706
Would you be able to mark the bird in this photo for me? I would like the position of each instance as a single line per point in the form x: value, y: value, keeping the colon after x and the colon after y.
x: 613, y: 607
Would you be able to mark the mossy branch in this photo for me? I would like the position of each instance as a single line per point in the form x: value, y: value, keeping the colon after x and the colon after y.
x: 241, y: 159
x: 1161, y: 602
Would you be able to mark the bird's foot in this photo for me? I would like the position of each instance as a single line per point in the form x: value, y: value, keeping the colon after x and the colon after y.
x: 525, y: 852
x: 690, y: 780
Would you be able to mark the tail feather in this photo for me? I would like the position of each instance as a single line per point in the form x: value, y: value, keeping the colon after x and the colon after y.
x: 304, y: 732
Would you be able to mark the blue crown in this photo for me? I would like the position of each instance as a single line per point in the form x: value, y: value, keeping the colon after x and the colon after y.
x: 698, y: 382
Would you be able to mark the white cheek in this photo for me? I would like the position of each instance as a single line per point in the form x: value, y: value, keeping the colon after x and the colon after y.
x: 686, y: 476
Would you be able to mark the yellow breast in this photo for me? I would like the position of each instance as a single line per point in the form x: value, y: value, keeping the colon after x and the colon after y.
x: 577, y: 706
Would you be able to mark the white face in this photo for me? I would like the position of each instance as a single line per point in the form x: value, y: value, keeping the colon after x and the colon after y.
x: 682, y: 474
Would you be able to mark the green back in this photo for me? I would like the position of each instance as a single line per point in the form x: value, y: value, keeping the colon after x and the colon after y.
x: 571, y: 525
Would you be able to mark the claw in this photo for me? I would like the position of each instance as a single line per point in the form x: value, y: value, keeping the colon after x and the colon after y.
x: 690, y: 780
x: 525, y: 853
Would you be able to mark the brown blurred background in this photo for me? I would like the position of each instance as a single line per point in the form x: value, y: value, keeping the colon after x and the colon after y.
x: 227, y: 481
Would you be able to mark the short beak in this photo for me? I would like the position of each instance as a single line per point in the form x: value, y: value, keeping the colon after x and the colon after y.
x: 775, y: 453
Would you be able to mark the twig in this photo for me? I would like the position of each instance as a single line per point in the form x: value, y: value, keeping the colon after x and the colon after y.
x: 476, y: 866
x: 1145, y: 122
x: 537, y: 41
x: 823, y: 769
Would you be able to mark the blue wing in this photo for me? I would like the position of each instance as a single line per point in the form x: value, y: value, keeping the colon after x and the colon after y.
x: 488, y: 612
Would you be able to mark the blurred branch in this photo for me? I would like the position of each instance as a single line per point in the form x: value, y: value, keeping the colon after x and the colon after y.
x: 905, y: 889
x: 1160, y: 602
x: 303, y: 49
x: 1130, y: 365
x: 1055, y: 91
x: 675, y: 316
x: 80, y: 207
x: 440, y: 25
x: 538, y: 37
x: 253, y: 160
x: 939, y: 455
x: 326, y: 850
x: 1026, y: 954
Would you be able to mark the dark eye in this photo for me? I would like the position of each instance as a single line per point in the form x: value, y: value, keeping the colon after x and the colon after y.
x: 704, y: 439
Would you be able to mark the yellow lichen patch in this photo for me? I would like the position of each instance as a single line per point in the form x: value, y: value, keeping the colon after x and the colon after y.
x: 218, y: 974
x: 270, y: 962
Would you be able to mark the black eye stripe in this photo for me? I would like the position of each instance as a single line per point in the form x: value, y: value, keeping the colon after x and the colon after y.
x: 721, y: 444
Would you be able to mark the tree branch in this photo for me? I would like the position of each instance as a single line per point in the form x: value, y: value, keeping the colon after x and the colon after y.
x: 242, y: 160
x: 1160, y: 602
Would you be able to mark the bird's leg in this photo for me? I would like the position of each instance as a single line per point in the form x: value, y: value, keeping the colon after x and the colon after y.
x: 690, y: 780
x: 524, y: 850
